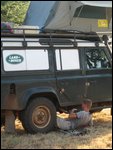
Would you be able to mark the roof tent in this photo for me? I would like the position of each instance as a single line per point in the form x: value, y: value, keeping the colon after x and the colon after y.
x: 86, y: 16
x: 38, y: 13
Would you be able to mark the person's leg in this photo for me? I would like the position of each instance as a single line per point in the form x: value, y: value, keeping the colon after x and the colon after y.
x: 63, y: 124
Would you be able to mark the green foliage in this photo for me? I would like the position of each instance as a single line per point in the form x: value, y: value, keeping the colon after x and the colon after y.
x: 14, y: 11
x: 3, y: 2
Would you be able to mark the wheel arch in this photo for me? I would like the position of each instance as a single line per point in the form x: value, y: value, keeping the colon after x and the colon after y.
x: 31, y: 94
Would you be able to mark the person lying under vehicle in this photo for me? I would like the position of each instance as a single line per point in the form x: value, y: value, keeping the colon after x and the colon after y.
x: 75, y: 120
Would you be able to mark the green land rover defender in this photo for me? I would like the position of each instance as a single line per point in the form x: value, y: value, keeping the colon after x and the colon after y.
x: 50, y: 72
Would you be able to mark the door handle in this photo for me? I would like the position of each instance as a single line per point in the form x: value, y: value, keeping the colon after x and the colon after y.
x: 87, y: 84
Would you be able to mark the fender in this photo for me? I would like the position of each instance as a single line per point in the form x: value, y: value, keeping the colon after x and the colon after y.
x: 30, y: 92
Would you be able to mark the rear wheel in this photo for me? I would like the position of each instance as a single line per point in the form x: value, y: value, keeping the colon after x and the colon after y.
x: 39, y: 116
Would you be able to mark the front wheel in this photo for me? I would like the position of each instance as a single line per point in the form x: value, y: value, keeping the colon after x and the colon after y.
x: 39, y: 116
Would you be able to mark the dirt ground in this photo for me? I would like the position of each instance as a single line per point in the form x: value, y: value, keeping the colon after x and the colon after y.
x: 100, y: 137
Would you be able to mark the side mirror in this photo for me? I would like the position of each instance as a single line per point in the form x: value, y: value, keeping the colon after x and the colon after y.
x: 105, y: 39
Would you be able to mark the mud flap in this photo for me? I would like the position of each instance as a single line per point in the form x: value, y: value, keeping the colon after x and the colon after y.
x: 9, y: 122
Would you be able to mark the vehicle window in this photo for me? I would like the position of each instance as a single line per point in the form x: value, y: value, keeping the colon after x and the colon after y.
x: 67, y: 59
x: 37, y: 59
x: 22, y: 60
x: 96, y: 59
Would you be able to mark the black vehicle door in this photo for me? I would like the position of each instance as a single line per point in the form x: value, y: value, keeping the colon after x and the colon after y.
x: 69, y: 75
x: 98, y: 74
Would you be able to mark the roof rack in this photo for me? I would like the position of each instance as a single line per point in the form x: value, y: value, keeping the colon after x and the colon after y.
x: 40, y: 33
x: 59, y: 31
x: 52, y: 37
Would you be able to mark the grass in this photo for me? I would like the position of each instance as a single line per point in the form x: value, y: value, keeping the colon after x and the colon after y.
x: 100, y: 137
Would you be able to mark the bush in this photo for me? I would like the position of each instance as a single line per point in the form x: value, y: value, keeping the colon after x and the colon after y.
x: 14, y: 11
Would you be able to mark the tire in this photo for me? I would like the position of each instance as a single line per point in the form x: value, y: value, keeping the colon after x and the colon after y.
x: 39, y: 116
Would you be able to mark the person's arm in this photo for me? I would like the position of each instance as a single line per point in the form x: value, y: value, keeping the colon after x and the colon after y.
x: 76, y: 115
x: 72, y: 115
